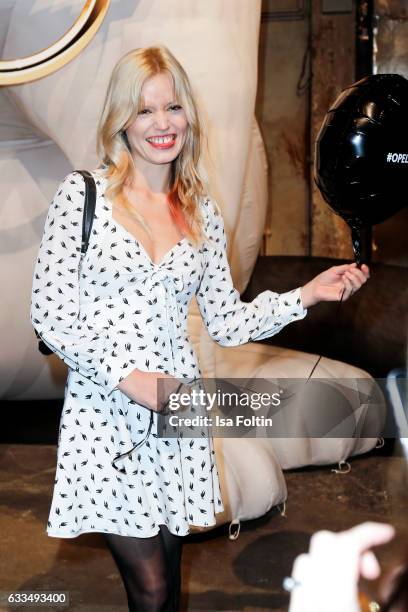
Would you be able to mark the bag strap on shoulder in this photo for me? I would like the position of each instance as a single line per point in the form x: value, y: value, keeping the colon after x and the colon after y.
x: 87, y: 220
x: 89, y: 208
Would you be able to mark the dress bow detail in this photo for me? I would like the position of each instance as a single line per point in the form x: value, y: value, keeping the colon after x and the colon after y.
x: 168, y: 282
x: 167, y: 275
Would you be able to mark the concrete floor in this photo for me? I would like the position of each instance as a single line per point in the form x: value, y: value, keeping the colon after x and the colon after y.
x: 218, y: 574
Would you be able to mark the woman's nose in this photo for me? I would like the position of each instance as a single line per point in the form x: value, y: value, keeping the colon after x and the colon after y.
x: 161, y: 120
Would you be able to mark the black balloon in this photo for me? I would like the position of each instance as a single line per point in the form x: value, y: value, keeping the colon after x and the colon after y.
x: 361, y: 161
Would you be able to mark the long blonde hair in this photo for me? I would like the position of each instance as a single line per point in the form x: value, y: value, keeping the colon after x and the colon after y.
x: 122, y: 103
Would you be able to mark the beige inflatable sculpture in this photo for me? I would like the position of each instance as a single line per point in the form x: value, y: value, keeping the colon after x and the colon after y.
x: 48, y: 127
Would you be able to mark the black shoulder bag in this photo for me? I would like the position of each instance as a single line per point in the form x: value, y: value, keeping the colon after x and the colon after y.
x: 87, y: 220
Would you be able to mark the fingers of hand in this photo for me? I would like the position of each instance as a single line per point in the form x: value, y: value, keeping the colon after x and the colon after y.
x: 369, y: 566
x: 318, y: 574
x: 321, y: 541
x: 166, y: 387
x: 348, y: 287
x: 370, y: 533
x: 358, y: 274
x: 346, y: 554
x: 339, y: 270
x: 366, y: 270
x: 356, y: 279
x: 364, y: 536
x: 300, y: 596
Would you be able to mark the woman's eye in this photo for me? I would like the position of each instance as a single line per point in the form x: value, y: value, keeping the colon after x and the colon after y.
x: 147, y: 111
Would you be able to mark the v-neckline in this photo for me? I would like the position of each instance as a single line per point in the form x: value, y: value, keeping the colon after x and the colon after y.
x: 141, y: 247
x: 139, y: 244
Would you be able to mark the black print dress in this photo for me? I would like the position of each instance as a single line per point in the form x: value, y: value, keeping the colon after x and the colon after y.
x: 111, y: 313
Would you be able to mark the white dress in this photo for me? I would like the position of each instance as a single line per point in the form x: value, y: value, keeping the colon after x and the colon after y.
x: 116, y: 312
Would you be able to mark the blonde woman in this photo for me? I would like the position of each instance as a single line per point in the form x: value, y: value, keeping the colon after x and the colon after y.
x: 118, y: 319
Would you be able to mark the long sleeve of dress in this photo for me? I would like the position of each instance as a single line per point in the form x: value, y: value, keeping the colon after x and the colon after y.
x: 100, y: 355
x: 229, y: 321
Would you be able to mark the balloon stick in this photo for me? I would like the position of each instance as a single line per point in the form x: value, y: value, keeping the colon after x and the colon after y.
x: 361, y: 239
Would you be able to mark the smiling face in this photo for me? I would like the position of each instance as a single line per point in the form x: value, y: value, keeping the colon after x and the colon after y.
x: 158, y: 133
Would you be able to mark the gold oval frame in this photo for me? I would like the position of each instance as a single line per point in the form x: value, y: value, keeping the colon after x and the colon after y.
x: 47, y: 61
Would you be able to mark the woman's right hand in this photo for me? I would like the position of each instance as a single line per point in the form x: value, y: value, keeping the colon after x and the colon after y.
x: 145, y: 388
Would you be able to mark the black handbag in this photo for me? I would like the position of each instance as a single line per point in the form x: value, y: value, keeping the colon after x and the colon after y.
x: 87, y: 220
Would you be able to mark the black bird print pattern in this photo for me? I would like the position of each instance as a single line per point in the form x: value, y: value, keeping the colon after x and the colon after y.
x: 111, y: 312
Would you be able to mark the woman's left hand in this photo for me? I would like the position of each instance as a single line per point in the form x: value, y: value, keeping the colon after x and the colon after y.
x: 328, y: 286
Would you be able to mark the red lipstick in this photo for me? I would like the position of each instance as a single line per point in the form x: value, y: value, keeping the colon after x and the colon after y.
x: 169, y: 142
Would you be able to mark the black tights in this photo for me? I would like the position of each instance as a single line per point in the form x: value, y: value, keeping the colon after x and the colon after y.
x: 150, y: 569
